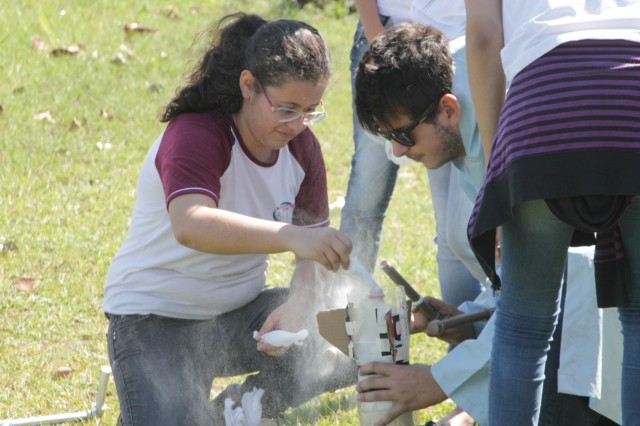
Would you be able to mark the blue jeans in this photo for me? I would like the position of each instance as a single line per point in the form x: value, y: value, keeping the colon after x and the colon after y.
x: 534, y: 249
x: 371, y: 184
x: 164, y: 367
x: 459, y: 272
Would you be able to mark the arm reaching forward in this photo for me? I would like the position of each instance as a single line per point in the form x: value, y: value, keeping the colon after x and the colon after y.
x: 484, y: 39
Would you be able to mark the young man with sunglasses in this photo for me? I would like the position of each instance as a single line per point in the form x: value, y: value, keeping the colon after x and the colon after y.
x: 431, y: 122
x: 374, y: 169
x: 407, y: 92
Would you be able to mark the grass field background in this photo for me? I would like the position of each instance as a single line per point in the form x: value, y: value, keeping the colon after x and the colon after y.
x: 79, y: 98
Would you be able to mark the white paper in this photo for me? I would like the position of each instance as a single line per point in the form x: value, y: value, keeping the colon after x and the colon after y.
x: 283, y: 338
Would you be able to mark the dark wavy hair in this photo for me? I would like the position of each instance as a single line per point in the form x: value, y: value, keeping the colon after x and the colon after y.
x: 274, y: 52
x: 406, y: 68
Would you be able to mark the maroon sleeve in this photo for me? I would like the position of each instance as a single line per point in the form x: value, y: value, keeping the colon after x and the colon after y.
x: 312, y: 204
x: 194, y: 153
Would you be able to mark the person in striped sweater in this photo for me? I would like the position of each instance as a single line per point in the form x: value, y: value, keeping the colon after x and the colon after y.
x: 563, y: 152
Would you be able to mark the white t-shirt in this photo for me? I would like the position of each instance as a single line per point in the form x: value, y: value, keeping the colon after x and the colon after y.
x: 203, y: 153
x: 399, y: 10
x: 534, y: 27
x: 448, y: 16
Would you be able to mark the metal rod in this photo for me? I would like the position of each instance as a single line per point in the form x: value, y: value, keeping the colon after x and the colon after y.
x: 52, y: 419
x: 438, y: 327
x: 78, y: 416
x: 415, y: 297
x: 103, y: 382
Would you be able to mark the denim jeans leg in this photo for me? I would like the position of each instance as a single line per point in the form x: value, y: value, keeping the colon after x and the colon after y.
x: 630, y: 316
x: 550, y: 398
x: 458, y: 269
x: 372, y: 180
x: 162, y: 369
x: 288, y: 381
x: 534, y: 250
x: 560, y: 409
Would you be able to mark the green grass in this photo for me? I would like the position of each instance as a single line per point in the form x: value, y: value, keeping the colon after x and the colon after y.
x: 65, y: 201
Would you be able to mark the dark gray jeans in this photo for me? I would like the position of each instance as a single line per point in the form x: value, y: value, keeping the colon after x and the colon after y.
x: 164, y: 367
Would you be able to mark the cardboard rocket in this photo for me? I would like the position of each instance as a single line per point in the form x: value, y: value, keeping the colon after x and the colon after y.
x: 370, y: 329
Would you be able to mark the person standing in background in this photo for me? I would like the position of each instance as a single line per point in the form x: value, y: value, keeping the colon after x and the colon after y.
x: 373, y: 176
x: 564, y: 156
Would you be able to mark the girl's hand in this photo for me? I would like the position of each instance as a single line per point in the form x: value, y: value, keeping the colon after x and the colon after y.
x: 327, y: 246
x: 284, y: 317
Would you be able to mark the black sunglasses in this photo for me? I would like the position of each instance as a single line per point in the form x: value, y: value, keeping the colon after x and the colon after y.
x: 403, y: 134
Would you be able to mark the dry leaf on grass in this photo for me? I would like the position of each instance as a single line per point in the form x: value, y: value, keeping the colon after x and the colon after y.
x: 105, y: 114
x: 44, y: 115
x: 73, y: 50
x: 119, y: 59
x: 76, y: 123
x: 62, y: 372
x: 127, y: 51
x: 171, y: 12
x: 38, y: 44
x: 26, y: 284
x: 134, y: 27
x: 8, y: 246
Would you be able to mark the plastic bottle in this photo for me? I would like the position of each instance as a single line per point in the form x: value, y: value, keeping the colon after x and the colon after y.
x: 370, y: 320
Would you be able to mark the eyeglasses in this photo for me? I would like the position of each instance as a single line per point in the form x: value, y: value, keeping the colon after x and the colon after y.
x: 403, y: 134
x: 287, y: 115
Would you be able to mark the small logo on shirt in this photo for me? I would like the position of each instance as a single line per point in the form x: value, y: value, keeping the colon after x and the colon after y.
x: 284, y: 212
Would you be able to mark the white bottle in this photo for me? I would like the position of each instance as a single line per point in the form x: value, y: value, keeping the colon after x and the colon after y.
x: 372, y: 339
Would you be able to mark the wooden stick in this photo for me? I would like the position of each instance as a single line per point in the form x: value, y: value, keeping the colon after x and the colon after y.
x: 415, y: 297
x: 438, y: 327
